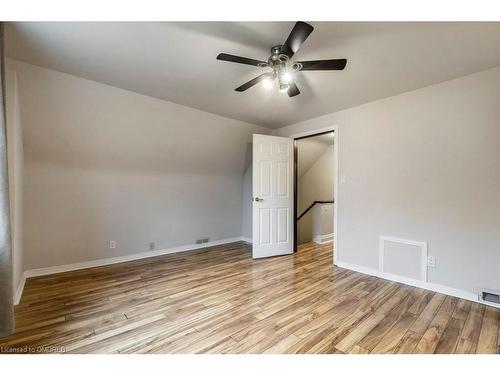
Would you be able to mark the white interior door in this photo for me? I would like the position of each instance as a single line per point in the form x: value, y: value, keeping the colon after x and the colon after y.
x: 272, y: 176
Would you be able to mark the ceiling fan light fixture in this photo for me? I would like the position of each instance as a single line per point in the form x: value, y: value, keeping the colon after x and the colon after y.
x: 267, y: 83
x: 284, y: 68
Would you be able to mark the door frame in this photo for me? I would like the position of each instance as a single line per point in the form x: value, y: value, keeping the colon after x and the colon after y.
x: 336, y: 173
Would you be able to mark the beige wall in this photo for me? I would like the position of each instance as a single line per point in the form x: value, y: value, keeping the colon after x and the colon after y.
x: 424, y: 165
x: 314, y: 184
x: 105, y: 164
x: 15, y: 169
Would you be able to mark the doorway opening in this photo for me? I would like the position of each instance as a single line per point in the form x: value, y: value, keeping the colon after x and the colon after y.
x: 314, y: 175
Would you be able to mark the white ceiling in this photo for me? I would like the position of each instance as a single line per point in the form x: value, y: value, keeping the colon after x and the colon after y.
x: 309, y: 150
x: 176, y: 61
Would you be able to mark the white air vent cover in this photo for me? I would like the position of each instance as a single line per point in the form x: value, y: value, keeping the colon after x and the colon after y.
x: 490, y: 296
x: 404, y: 258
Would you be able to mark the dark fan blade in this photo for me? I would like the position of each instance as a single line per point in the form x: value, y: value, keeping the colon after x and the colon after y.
x: 293, y: 90
x: 254, y: 81
x: 335, y: 64
x: 239, y: 59
x: 299, y: 34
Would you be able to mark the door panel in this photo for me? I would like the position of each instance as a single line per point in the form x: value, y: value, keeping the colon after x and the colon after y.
x: 282, y: 185
x: 273, y: 198
x: 282, y: 225
x: 265, y: 226
x: 265, y: 178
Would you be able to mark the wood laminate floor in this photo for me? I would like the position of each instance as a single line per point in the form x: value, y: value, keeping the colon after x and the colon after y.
x: 219, y: 300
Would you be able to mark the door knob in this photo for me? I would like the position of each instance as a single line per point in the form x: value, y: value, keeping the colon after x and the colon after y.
x: 257, y: 199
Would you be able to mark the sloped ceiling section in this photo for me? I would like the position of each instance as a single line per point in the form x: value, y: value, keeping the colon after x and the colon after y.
x: 176, y: 61
x: 76, y: 122
x: 310, y: 150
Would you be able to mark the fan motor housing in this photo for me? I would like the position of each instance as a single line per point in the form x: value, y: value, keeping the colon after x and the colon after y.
x: 277, y: 55
x: 276, y: 50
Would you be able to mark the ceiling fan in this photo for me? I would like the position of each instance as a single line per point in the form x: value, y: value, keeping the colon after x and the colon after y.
x: 283, y: 67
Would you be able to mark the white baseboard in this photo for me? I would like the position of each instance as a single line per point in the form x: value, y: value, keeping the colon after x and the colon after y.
x: 246, y: 239
x: 20, y: 288
x: 325, y: 238
x: 125, y: 258
x: 470, y: 296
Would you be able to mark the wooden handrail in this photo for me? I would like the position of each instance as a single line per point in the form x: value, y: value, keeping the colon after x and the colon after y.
x: 311, y: 206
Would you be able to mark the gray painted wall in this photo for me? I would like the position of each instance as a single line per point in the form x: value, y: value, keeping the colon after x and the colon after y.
x: 424, y: 165
x: 246, y: 226
x: 6, y: 300
x: 16, y: 173
x: 105, y: 164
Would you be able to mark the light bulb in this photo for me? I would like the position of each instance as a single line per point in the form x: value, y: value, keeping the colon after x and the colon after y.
x: 267, y: 83
x: 286, y: 77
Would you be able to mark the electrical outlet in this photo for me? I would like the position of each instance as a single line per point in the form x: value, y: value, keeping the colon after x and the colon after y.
x: 431, y: 261
x: 152, y: 245
x: 112, y: 244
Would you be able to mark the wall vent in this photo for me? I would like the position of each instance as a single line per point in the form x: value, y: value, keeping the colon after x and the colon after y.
x: 403, y: 258
x: 490, y: 296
